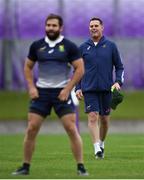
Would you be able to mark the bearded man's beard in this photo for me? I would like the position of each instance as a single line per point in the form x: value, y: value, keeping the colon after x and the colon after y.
x: 53, y: 35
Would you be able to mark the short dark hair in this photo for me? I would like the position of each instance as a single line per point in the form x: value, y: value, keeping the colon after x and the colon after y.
x: 96, y: 19
x: 55, y: 16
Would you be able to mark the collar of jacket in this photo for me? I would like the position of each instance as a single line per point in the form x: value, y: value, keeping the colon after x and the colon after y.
x: 101, y: 41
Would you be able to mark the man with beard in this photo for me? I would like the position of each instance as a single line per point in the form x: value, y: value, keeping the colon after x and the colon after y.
x: 55, y: 56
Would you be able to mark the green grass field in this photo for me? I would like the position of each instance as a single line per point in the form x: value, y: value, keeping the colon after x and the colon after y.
x: 14, y: 106
x: 124, y: 158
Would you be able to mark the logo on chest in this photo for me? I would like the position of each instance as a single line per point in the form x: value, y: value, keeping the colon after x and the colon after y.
x: 61, y: 48
x: 104, y: 46
x: 42, y: 48
x: 88, y: 48
x: 50, y: 51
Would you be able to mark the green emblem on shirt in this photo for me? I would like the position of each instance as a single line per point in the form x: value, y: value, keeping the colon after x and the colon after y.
x: 61, y: 48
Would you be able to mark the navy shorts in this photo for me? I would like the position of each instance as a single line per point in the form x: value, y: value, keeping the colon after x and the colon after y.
x: 98, y: 102
x: 48, y: 98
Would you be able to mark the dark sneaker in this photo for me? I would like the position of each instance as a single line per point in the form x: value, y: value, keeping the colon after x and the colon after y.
x: 81, y: 171
x: 21, y: 171
x: 99, y: 155
x: 102, y: 149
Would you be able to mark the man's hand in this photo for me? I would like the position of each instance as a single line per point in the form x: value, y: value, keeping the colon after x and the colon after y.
x: 115, y: 86
x: 33, y: 93
x: 79, y: 94
x: 64, y: 94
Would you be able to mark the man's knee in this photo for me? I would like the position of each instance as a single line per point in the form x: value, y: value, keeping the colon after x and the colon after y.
x: 34, y: 123
x: 69, y: 123
x: 93, y: 117
x: 71, y: 128
x: 104, y: 120
x: 32, y: 130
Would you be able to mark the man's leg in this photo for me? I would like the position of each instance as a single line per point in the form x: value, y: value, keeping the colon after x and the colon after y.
x: 69, y: 123
x: 34, y: 124
x: 93, y: 125
x: 104, y: 125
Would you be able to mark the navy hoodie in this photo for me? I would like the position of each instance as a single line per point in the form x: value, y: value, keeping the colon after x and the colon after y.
x: 99, y: 62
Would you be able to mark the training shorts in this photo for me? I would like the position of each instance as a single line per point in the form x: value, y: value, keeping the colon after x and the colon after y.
x: 48, y: 98
x: 97, y: 102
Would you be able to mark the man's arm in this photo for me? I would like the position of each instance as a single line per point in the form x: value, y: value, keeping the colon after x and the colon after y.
x: 78, y: 73
x: 119, y: 69
x: 28, y: 72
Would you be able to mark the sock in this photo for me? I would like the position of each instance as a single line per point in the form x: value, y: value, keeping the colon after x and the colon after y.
x: 26, y: 166
x: 97, y: 147
x: 101, y: 144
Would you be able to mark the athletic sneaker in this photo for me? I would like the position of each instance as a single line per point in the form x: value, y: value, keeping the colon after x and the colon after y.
x: 99, y: 155
x: 81, y: 171
x: 102, y: 149
x: 21, y: 171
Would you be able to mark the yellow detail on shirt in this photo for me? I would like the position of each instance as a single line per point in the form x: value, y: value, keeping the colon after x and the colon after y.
x: 61, y: 48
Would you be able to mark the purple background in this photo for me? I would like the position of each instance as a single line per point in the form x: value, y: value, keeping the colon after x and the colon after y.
x: 21, y: 22
x: 121, y: 17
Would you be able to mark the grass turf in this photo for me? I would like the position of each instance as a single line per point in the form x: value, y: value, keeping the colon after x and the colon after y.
x: 14, y: 106
x: 53, y: 159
